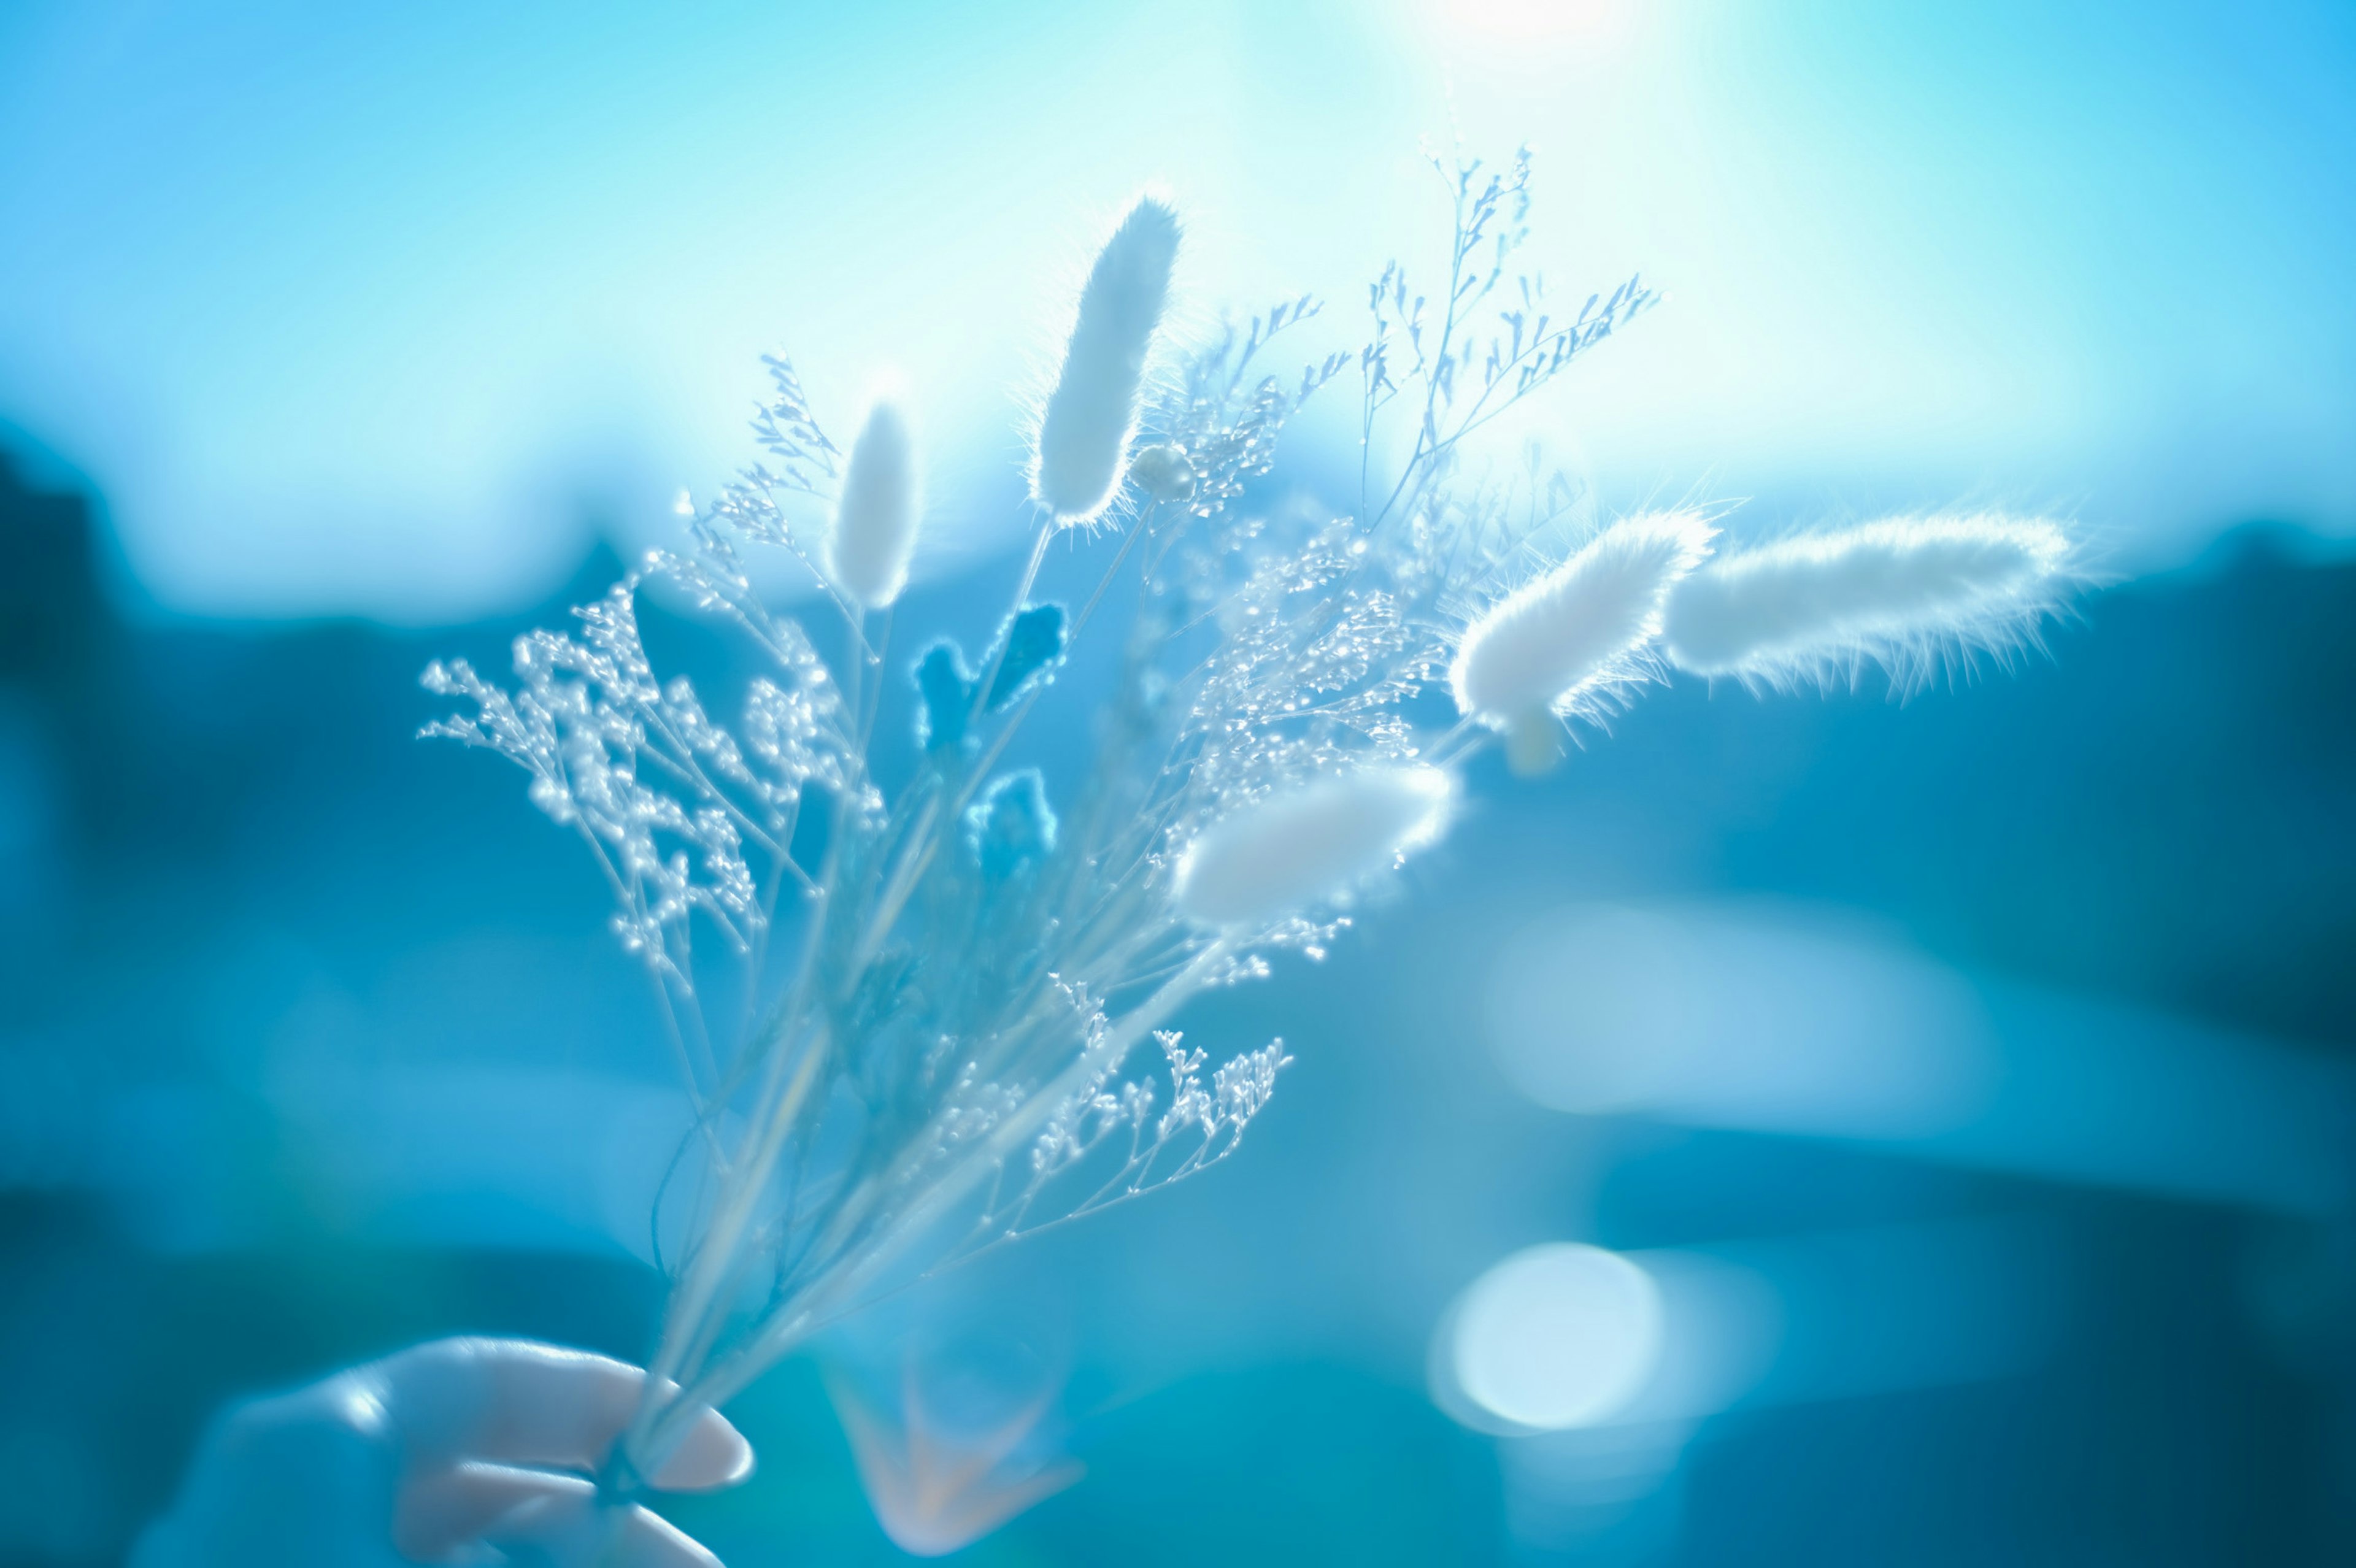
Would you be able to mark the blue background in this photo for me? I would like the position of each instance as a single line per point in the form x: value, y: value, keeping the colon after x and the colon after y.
x: 333, y: 343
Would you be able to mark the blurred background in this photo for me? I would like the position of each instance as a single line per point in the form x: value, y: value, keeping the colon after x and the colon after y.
x: 1826, y: 1130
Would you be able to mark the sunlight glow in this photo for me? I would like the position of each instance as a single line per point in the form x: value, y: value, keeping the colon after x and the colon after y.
x: 1531, y: 19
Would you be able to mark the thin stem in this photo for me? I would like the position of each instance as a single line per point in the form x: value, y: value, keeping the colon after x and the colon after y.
x: 713, y: 1259
x: 838, y: 1285
x: 1021, y: 593
x: 1137, y: 530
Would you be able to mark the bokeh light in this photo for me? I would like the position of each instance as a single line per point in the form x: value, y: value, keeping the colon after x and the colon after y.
x: 1558, y: 1336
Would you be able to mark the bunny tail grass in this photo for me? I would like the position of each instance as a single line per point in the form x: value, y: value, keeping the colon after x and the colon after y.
x: 1569, y: 637
x: 1309, y: 844
x: 875, y: 522
x: 1085, y: 433
x: 1899, y: 592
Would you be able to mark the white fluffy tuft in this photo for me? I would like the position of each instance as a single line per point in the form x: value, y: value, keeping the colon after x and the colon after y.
x: 875, y: 519
x: 1283, y: 854
x: 1898, y: 592
x: 1090, y: 416
x: 1567, y: 639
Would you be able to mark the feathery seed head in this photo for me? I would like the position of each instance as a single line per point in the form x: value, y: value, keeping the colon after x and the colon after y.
x: 1085, y: 433
x: 1569, y: 637
x: 1896, y: 592
x: 876, y: 518
x: 1309, y: 844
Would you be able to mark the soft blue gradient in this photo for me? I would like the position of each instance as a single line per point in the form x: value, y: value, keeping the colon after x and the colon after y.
x: 387, y: 312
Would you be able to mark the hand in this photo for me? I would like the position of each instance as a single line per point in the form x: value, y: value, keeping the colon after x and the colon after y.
x: 453, y: 1452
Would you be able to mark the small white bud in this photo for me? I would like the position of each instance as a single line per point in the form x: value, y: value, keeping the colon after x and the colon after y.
x: 875, y: 519
x: 1577, y: 629
x: 1164, y: 473
x: 1085, y: 433
x: 1309, y: 844
x: 1894, y: 591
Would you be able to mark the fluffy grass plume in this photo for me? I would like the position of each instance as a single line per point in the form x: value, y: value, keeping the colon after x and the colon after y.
x: 1307, y: 845
x: 1899, y: 592
x: 1571, y: 636
x: 875, y: 521
x: 1085, y: 432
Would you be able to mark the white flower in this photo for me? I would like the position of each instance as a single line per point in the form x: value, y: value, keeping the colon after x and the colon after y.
x: 1579, y: 630
x: 875, y: 519
x: 1085, y: 433
x: 1309, y: 844
x: 1895, y: 591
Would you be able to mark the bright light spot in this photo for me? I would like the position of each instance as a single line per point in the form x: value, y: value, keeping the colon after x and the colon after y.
x: 1558, y: 1337
x: 1530, y: 18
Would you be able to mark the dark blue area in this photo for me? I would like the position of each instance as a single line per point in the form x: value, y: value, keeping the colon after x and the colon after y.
x: 221, y: 841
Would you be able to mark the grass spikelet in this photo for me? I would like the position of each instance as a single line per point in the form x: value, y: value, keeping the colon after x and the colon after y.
x: 1085, y: 433
x: 1565, y: 640
x: 1300, y: 848
x: 875, y: 519
x: 1899, y: 592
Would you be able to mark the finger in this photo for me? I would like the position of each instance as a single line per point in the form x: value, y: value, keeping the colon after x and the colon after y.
x: 578, y: 1532
x: 515, y: 1402
x: 442, y: 1510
